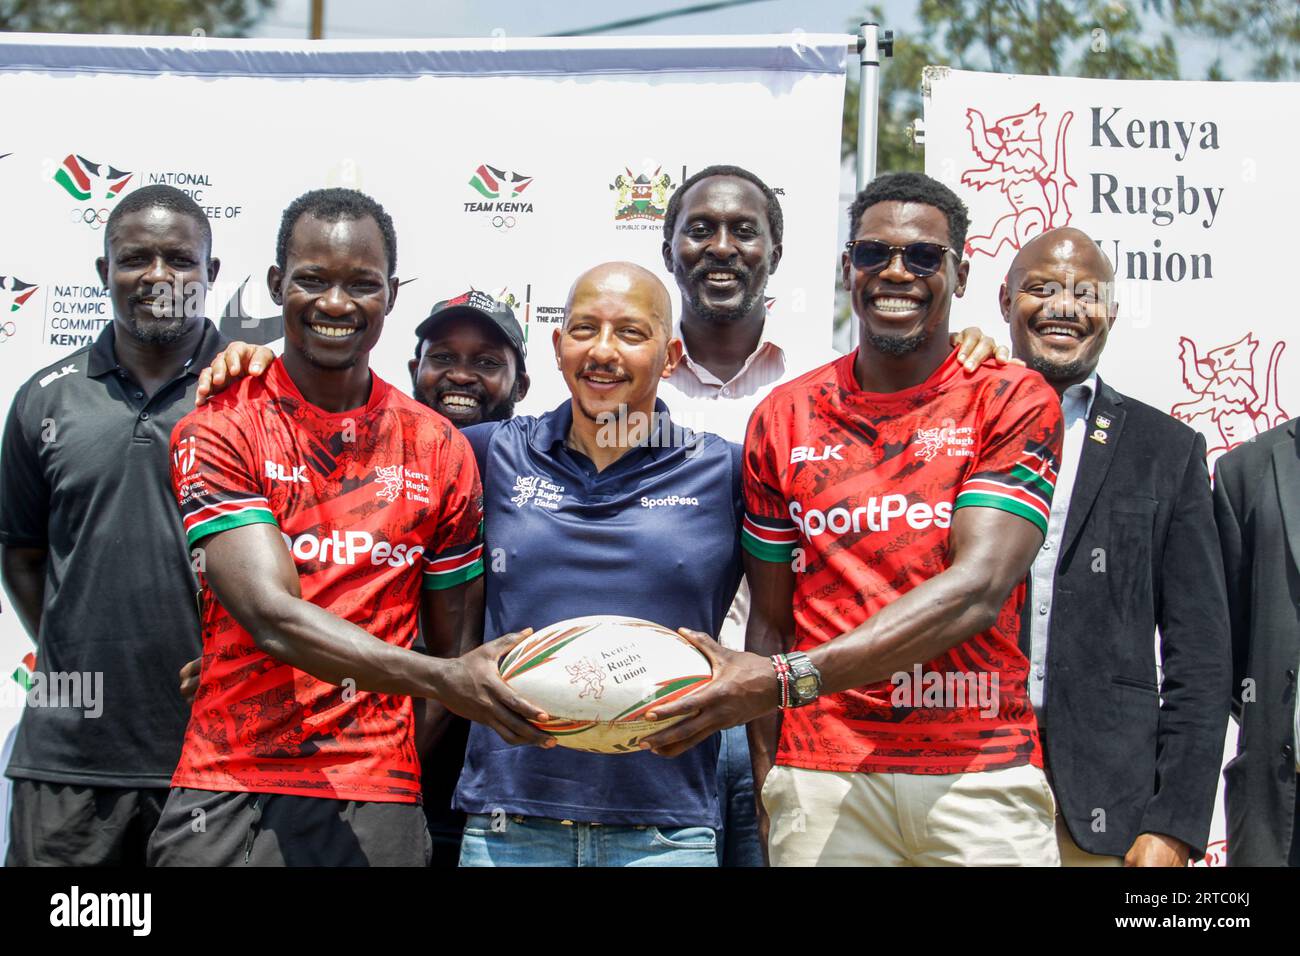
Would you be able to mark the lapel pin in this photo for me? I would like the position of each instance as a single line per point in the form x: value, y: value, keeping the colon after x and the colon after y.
x: 1098, y: 436
x: 1103, y: 421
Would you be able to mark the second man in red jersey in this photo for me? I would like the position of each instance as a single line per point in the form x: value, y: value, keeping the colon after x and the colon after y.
x: 893, y: 507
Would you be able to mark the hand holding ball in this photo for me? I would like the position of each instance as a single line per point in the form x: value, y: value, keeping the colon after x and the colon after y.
x: 596, y: 678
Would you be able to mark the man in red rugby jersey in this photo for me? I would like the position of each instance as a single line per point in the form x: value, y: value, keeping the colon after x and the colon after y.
x: 893, y: 507
x: 327, y: 512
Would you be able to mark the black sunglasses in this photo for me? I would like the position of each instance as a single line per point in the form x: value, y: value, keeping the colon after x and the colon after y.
x: 919, y: 258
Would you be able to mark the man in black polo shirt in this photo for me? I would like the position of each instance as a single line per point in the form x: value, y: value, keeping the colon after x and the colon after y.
x: 91, y: 548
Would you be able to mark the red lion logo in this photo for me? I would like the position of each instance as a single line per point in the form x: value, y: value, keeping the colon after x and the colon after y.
x: 1227, y: 410
x: 589, y: 675
x: 1012, y: 152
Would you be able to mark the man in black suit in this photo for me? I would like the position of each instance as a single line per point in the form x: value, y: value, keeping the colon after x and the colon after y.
x: 1131, y: 547
x: 1257, y: 508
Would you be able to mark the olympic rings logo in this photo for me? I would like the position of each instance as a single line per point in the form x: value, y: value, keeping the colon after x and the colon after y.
x: 94, y: 218
x: 503, y: 222
x: 7, y: 329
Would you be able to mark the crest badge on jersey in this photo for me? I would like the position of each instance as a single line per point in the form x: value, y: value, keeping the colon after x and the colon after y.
x: 949, y: 440
x: 525, y: 488
x: 391, y: 478
x: 535, y: 488
x: 184, y: 455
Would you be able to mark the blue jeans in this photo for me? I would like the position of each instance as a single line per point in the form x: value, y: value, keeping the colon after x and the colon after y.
x: 536, y: 841
x: 738, y: 842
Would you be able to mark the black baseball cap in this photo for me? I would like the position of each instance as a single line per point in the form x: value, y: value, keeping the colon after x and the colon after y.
x: 483, y: 306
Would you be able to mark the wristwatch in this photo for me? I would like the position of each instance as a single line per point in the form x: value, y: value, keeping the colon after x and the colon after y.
x: 801, y: 682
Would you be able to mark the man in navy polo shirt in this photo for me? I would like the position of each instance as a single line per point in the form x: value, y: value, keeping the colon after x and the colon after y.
x: 569, y: 532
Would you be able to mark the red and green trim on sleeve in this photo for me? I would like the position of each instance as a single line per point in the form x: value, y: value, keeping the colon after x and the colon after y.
x: 1026, y: 490
x: 456, y: 565
x: 226, y: 515
x: 769, y: 539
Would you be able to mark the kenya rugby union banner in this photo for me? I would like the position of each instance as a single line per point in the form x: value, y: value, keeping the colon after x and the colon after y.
x: 1183, y: 186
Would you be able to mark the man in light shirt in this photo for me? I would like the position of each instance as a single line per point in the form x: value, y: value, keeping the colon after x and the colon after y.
x: 1132, y: 752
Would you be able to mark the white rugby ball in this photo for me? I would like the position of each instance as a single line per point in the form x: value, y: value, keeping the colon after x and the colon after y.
x: 596, y: 677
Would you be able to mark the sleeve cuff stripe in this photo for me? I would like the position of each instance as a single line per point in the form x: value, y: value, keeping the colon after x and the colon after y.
x: 224, y: 508
x: 1014, y: 489
x: 1033, y: 479
x: 225, y: 522
x: 450, y: 579
x: 444, y: 564
x: 973, y: 499
x: 765, y: 550
x: 771, y: 531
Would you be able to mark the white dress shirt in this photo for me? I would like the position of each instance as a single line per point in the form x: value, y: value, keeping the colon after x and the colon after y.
x: 703, y: 402
x: 1076, y: 409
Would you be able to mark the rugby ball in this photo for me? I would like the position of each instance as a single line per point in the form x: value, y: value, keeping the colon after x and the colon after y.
x: 596, y: 677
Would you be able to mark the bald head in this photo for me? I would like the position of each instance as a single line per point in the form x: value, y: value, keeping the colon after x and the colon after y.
x: 627, y: 281
x: 1066, y: 245
x: 1059, y: 302
x: 617, y: 342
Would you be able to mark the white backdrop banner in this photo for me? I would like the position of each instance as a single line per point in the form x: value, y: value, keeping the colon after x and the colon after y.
x: 508, y: 165
x: 1183, y: 187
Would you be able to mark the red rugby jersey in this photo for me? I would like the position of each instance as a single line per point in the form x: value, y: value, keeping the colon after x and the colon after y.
x: 864, y: 486
x: 371, y: 503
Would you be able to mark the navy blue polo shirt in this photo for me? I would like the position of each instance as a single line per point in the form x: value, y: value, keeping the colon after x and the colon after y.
x: 655, y: 536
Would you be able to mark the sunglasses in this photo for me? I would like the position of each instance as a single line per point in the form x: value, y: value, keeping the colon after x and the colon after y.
x: 919, y: 258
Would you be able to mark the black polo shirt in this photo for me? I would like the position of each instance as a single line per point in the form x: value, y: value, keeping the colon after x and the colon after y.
x: 84, y: 473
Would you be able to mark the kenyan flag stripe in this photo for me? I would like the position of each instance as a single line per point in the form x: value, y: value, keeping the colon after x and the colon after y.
x: 18, y: 301
x: 115, y: 190
x: 73, y: 178
x: 666, y: 693
x: 515, y: 663
x: 485, y: 182
x: 565, y: 728
x: 23, y: 672
x: 224, y: 522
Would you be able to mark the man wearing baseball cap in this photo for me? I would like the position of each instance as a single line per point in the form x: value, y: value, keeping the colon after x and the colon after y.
x: 468, y: 367
x: 469, y: 360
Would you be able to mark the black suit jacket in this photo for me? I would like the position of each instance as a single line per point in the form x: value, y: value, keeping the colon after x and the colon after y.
x: 1138, y: 552
x: 1257, y: 506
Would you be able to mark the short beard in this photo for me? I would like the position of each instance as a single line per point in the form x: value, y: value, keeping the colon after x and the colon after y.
x: 502, y: 411
x: 896, y: 345
x: 312, y: 359
x: 1058, y: 371
x: 157, y: 334
x: 725, y: 316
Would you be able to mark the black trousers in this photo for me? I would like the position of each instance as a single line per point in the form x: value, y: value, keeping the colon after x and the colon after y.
x: 64, y: 824
x: 1294, y: 859
x: 211, y: 828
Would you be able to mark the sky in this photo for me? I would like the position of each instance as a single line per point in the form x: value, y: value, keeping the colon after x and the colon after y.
x: 362, y: 19
x: 466, y: 18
